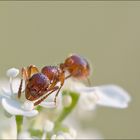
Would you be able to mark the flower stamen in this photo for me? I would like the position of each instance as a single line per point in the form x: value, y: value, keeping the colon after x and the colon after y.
x: 11, y: 87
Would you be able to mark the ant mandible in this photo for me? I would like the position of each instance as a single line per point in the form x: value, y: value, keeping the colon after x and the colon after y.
x: 39, y: 85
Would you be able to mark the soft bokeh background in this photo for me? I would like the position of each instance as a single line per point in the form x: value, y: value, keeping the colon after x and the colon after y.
x: 107, y: 33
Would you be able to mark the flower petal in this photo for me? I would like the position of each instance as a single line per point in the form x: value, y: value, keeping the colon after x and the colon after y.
x: 6, y: 91
x: 108, y: 95
x: 4, y: 94
x: 112, y: 96
x: 48, y: 126
x: 87, y: 101
x: 24, y: 135
x: 16, y: 84
x: 67, y: 136
x: 72, y: 132
x: 13, y: 107
x: 48, y: 104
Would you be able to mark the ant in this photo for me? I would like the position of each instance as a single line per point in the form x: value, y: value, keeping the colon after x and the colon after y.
x: 39, y: 85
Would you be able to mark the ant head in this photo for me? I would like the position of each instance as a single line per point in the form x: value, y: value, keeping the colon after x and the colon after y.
x: 36, y: 86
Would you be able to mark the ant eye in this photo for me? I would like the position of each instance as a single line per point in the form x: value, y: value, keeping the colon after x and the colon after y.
x: 33, y: 89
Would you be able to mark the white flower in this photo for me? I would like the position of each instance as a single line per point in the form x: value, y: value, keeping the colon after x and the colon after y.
x: 61, y: 136
x: 87, y: 101
x: 106, y: 95
x: 28, y: 105
x: 112, y: 96
x: 67, y: 136
x: 24, y: 135
x: 48, y: 104
x: 70, y: 134
x: 7, y: 127
x: 12, y: 72
x: 10, y: 101
x: 14, y: 107
x: 48, y: 126
x: 57, y: 137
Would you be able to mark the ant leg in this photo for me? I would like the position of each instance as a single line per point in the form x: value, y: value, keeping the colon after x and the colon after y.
x: 62, y: 79
x: 42, y: 99
x: 24, y: 76
x: 57, y: 93
x: 32, y: 69
x: 20, y: 88
x: 68, y: 76
x: 24, y: 73
x: 53, y: 84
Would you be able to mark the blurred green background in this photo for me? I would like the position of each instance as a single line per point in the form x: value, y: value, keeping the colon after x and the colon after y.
x: 107, y: 33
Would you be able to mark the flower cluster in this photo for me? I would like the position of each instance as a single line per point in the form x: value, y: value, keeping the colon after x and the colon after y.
x: 73, y: 94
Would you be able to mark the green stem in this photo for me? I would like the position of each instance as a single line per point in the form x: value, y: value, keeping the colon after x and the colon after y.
x: 19, y: 122
x: 67, y: 110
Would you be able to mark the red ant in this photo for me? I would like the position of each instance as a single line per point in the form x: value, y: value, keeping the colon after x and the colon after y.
x: 39, y: 85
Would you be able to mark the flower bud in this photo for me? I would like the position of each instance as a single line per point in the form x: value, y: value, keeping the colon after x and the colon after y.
x: 60, y: 137
x: 49, y: 125
x: 24, y: 135
x: 67, y: 136
x: 12, y: 72
x: 67, y: 100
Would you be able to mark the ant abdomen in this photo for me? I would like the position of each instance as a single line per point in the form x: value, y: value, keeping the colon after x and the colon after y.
x: 77, y: 66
